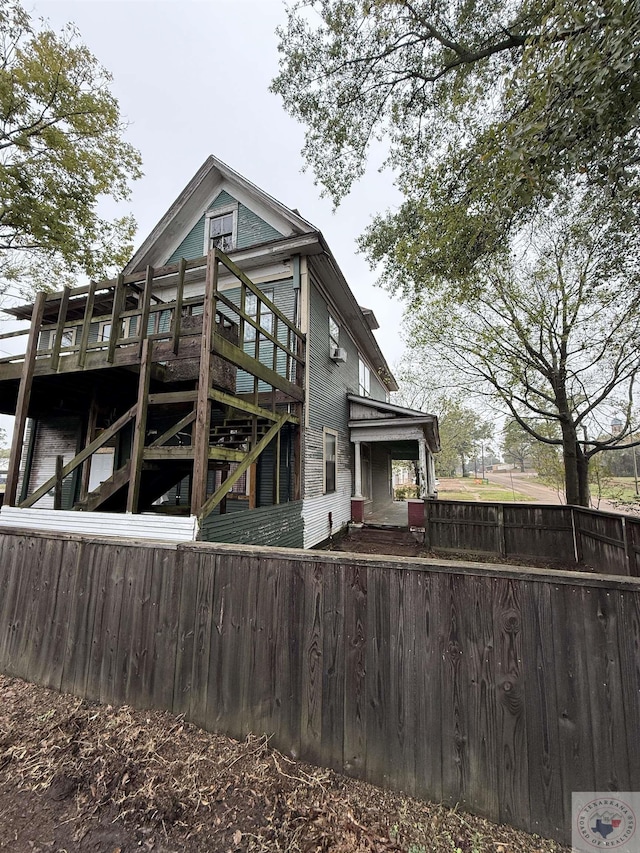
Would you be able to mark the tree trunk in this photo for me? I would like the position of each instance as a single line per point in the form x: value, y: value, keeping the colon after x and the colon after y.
x: 570, y: 460
x: 584, y: 495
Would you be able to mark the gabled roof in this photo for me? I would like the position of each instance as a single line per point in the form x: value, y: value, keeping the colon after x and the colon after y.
x: 385, y: 416
x: 210, y: 179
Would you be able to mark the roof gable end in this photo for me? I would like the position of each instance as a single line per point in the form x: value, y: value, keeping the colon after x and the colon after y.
x: 212, y: 179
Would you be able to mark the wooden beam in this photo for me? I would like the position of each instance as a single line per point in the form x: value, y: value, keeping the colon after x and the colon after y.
x: 91, y: 426
x: 90, y: 449
x: 177, y: 311
x: 146, y: 305
x: 118, y: 296
x: 233, y: 478
x: 168, y: 453
x: 277, y: 477
x: 86, y: 324
x: 203, y: 403
x: 62, y: 316
x: 169, y: 397
x: 245, y: 406
x: 22, y: 404
x: 184, y: 422
x: 241, y: 359
x: 139, y: 431
x: 244, y: 278
x: 57, y: 489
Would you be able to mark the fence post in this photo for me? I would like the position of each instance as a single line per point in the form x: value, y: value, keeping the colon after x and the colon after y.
x: 628, y: 549
x: 502, y: 542
x: 427, y: 525
x: 577, y: 542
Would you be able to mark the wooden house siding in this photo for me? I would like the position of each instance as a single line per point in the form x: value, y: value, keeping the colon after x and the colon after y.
x: 317, y: 505
x: 251, y: 230
x: 271, y: 525
x: 55, y: 436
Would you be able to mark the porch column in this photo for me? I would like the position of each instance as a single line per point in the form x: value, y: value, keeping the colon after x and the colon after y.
x: 422, y: 468
x: 357, y: 501
x: 432, y: 474
x: 357, y: 493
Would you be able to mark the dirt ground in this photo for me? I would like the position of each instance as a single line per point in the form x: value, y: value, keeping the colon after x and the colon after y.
x: 76, y: 777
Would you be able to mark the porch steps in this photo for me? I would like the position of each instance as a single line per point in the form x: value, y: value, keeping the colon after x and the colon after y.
x: 234, y: 433
x: 105, y: 490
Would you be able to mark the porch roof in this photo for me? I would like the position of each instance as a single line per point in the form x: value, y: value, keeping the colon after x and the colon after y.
x: 376, y: 420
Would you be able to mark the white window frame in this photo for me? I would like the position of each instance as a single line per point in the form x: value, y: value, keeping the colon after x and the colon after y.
x: 266, y: 316
x: 334, y: 341
x: 364, y: 378
x: 325, y: 432
x: 216, y: 213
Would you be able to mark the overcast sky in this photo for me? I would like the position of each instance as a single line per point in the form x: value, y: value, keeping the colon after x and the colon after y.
x: 192, y: 79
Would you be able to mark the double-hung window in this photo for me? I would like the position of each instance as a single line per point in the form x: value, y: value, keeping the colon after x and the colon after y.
x: 265, y: 319
x: 221, y: 229
x: 334, y: 335
x: 330, y: 459
x: 364, y: 379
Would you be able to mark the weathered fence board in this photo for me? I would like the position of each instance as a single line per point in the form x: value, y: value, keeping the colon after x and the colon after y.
x: 503, y: 689
x: 550, y: 535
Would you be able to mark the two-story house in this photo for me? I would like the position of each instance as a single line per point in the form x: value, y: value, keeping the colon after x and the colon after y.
x: 226, y: 386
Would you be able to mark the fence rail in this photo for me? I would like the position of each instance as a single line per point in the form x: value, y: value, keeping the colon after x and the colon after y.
x: 502, y: 689
x: 554, y: 535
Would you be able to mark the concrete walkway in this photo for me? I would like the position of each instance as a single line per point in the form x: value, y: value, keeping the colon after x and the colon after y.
x: 394, y: 513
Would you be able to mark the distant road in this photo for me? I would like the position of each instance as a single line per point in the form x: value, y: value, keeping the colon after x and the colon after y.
x: 526, y: 484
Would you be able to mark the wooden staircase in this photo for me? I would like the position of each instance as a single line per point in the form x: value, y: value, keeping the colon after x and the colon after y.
x: 105, y: 490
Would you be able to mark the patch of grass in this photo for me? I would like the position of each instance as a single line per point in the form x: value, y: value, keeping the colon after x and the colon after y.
x: 473, y: 490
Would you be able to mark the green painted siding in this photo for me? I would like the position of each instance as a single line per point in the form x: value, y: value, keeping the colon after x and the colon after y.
x: 273, y: 525
x: 192, y: 246
x: 251, y: 231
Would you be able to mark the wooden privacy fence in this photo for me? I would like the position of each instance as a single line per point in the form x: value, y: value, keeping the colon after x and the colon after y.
x: 563, y: 535
x: 503, y: 690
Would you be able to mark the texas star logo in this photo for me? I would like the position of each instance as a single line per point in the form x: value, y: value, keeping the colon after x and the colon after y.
x: 606, y: 823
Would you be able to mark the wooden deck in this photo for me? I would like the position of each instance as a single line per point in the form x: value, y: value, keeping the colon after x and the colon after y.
x: 163, y: 350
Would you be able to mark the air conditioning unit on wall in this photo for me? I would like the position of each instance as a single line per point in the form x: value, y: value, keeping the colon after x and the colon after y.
x: 338, y: 355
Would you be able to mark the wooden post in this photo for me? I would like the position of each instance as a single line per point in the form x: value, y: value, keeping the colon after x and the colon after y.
x: 22, y: 405
x: 91, y: 427
x: 118, y: 296
x: 177, y: 317
x: 297, y: 458
x: 628, y: 548
x: 277, y: 477
x: 139, y: 431
x: 62, y: 316
x: 57, y: 491
x: 203, y: 402
x: 502, y: 541
x: 146, y: 305
x: 428, y: 539
x: 86, y: 324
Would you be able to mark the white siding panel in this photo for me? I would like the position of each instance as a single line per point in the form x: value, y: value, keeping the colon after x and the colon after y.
x: 122, y: 525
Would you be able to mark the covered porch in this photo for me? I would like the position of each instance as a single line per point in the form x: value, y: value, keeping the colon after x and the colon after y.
x: 382, y: 433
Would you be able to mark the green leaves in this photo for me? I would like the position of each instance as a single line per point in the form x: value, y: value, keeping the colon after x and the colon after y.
x: 61, y: 149
x: 489, y: 111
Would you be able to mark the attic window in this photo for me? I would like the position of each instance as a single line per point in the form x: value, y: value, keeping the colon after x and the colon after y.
x: 222, y: 229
